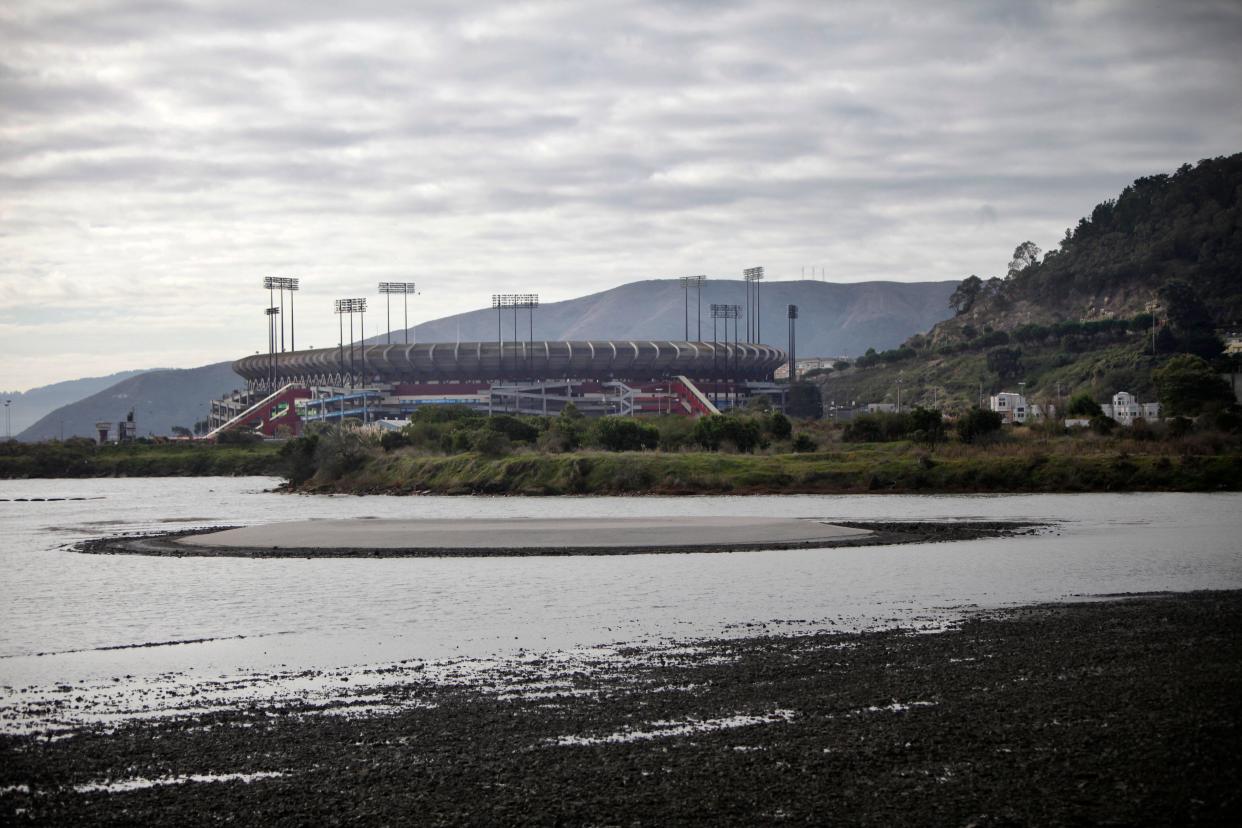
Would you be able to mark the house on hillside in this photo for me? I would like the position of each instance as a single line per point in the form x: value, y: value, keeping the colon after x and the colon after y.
x: 1125, y: 409
x: 1012, y: 407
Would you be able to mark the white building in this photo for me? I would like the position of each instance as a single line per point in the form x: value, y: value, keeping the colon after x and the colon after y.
x: 1125, y: 409
x: 1012, y: 407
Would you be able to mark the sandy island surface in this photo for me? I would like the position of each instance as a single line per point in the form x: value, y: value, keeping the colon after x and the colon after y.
x: 529, y: 533
x: 376, y: 538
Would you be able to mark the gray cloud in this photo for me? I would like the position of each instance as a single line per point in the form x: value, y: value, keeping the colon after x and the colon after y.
x: 183, y: 150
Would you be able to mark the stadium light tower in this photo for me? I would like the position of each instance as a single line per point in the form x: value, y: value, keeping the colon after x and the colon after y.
x: 686, y: 282
x: 725, y: 312
x: 271, y: 314
x: 351, y: 306
x: 698, y: 300
x: 282, y: 283
x: 752, y: 275
x: 405, y: 289
x: 791, y: 313
x: 503, y: 301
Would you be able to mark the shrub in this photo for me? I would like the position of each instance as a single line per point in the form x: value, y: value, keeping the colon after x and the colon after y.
x: 444, y: 414
x: 779, y: 426
x: 879, y: 427
x: 489, y: 442
x: 238, y: 437
x: 715, y: 431
x: 390, y: 440
x: 624, y: 434
x: 1081, y: 405
x: 675, y: 432
x: 927, y: 426
x: 339, y: 451
x: 299, y: 456
x: 1102, y: 425
x: 977, y: 423
x: 804, y: 401
x: 518, y: 430
x: 803, y: 444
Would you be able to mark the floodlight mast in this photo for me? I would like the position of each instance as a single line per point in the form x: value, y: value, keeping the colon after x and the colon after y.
x: 503, y: 301
x: 698, y: 300
x: 352, y: 306
x: 282, y: 283
x: 791, y: 313
x: 271, y: 314
x: 685, y: 287
x: 752, y: 275
x: 405, y: 289
x: 725, y: 312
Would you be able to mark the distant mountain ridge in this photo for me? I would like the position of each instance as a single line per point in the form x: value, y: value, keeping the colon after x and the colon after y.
x: 27, y: 407
x: 159, y: 399
x: 834, y: 319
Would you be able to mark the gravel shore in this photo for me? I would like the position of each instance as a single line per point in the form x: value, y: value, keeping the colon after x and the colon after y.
x: 1117, y: 711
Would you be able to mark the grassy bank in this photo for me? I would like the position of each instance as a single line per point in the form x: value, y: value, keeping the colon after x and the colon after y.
x: 82, y: 458
x: 1059, y: 465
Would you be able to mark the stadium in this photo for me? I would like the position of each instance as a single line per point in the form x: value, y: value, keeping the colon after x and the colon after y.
x: 388, y: 382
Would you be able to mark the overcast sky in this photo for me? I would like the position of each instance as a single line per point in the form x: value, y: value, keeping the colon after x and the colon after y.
x: 158, y: 159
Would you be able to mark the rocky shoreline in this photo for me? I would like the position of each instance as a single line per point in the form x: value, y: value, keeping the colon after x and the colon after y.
x: 1118, y: 711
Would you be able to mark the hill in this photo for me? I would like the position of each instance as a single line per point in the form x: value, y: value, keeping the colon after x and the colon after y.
x: 1078, y: 319
x: 28, y: 406
x: 1184, y: 226
x: 159, y: 399
x: 835, y: 319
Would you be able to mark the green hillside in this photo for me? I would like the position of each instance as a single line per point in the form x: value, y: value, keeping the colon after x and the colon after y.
x: 1150, y: 274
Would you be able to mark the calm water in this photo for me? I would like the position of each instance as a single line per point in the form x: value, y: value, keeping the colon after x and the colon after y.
x: 61, y: 613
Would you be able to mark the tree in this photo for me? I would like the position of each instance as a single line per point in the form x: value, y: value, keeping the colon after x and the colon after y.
x: 1025, y: 255
x: 965, y: 294
x: 1081, y: 405
x: 927, y: 426
x: 1005, y: 362
x: 1190, y: 327
x: 804, y: 401
x: 181, y: 431
x: 1186, y: 385
x: 779, y: 426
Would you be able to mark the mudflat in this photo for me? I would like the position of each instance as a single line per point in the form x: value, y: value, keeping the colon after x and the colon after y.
x: 1111, y: 712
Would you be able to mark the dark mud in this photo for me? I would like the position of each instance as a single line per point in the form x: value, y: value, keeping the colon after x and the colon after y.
x: 1118, y: 712
x: 884, y: 533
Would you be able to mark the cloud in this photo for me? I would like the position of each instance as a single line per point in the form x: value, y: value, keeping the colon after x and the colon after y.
x: 157, y: 159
